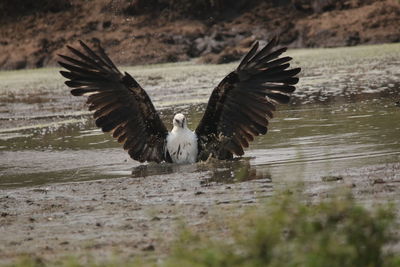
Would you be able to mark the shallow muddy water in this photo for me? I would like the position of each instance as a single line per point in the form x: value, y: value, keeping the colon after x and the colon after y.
x: 343, y: 116
x: 305, y: 142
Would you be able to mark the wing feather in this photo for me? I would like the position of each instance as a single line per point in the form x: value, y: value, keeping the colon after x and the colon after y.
x: 264, y: 51
x: 240, y: 106
x: 248, y: 56
x: 75, y: 62
x: 120, y: 104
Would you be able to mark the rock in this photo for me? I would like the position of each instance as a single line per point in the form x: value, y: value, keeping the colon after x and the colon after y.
x: 379, y: 181
x: 149, y: 248
x: 320, y: 6
x: 353, y: 39
x: 332, y: 178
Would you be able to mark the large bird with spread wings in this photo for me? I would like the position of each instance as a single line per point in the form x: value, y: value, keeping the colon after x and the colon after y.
x: 238, y: 109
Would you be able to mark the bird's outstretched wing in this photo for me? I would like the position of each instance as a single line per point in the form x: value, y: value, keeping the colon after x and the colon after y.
x: 121, y: 105
x: 240, y: 106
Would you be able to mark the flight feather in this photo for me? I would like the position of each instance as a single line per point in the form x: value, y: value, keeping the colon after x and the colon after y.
x: 120, y: 104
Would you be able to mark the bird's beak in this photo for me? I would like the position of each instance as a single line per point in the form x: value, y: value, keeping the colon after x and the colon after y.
x: 179, y: 122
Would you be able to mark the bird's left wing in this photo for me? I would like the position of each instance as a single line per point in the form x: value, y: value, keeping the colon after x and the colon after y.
x: 240, y: 106
x: 121, y: 105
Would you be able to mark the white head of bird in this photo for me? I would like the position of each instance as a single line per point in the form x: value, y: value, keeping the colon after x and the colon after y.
x: 179, y: 121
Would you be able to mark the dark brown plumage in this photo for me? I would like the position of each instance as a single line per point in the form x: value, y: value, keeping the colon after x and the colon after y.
x: 121, y: 105
x: 237, y: 111
x: 240, y: 106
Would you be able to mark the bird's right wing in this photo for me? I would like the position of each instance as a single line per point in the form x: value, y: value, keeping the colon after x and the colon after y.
x: 121, y: 105
x: 240, y: 106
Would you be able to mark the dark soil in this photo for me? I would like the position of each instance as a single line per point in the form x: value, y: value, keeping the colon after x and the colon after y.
x: 32, y: 33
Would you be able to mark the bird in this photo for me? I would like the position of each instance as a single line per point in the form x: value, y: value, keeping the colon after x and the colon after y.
x: 238, y: 110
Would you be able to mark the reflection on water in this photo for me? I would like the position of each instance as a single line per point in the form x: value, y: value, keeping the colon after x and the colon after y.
x: 215, y: 171
x: 238, y: 170
x: 144, y: 171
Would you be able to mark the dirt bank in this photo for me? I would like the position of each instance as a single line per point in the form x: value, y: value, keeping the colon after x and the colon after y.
x: 32, y: 33
x: 135, y: 216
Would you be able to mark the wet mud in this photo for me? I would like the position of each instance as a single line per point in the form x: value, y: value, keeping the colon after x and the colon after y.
x: 68, y: 189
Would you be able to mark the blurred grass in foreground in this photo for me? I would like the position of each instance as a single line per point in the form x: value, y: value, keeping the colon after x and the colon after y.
x: 284, y: 231
x: 287, y: 232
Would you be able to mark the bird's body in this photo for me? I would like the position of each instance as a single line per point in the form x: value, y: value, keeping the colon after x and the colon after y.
x: 238, y: 109
x: 181, y: 142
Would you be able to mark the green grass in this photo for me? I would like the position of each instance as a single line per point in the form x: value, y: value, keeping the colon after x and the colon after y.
x: 284, y: 231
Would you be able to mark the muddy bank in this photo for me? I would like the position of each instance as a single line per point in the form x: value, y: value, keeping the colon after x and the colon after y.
x: 129, y: 217
x: 143, y: 32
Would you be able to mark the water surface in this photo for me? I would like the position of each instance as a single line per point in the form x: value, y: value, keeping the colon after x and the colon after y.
x: 343, y: 117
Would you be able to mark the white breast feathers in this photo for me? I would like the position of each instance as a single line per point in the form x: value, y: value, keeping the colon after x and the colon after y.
x: 182, y: 145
